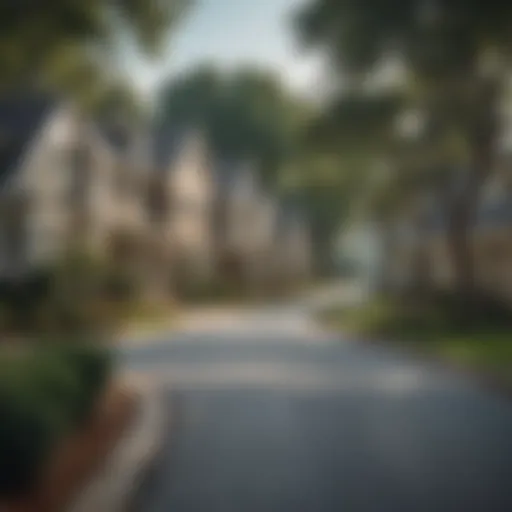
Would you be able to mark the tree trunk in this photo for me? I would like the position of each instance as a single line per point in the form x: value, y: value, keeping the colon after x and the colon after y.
x: 421, y: 272
x: 460, y: 246
x: 386, y: 279
x: 464, y: 207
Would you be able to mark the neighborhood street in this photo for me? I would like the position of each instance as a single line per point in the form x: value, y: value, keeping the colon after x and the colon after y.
x: 269, y: 413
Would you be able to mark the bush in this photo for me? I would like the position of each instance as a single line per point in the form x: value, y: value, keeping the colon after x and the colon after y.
x: 27, y: 435
x: 29, y: 429
x: 58, y: 385
x: 45, y: 393
x: 121, y: 286
x: 92, y: 366
x: 20, y: 301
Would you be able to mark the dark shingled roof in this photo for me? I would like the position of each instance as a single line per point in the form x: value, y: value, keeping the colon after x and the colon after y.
x: 20, y: 117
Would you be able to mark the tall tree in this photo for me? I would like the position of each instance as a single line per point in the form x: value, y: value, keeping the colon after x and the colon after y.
x: 321, y: 184
x: 457, y: 53
x: 76, y: 44
x: 247, y: 114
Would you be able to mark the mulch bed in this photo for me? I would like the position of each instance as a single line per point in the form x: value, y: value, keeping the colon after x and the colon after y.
x: 81, y: 455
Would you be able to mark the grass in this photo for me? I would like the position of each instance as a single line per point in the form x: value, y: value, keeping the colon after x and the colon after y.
x: 142, y: 319
x: 484, y: 346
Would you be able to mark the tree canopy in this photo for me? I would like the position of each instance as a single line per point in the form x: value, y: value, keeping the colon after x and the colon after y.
x: 246, y: 114
x: 455, y: 57
x: 76, y: 45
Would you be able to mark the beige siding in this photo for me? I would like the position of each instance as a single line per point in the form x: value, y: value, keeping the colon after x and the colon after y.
x: 191, y: 190
x: 45, y: 179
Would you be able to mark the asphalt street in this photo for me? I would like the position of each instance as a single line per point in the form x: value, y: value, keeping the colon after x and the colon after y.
x: 267, y: 413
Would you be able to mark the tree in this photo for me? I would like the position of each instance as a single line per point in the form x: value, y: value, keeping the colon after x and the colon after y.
x: 247, y: 114
x: 77, y: 44
x: 250, y: 114
x: 456, y: 53
x: 324, y: 188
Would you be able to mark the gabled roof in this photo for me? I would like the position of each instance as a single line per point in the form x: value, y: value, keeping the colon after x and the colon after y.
x: 21, y: 115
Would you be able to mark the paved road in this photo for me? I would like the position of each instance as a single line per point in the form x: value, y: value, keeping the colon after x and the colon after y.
x: 270, y: 415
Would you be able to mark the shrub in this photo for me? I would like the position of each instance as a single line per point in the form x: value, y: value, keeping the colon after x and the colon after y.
x: 91, y: 365
x: 45, y: 393
x: 121, y: 285
x: 27, y: 435
x: 58, y: 385
x: 29, y: 429
x: 20, y: 301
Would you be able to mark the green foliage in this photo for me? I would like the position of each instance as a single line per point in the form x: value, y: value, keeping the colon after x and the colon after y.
x: 357, y: 122
x: 80, y: 47
x: 45, y: 393
x: 438, y: 38
x: 121, y: 285
x: 92, y: 366
x: 75, y: 302
x: 454, y: 58
x: 433, y: 316
x: 248, y: 114
x: 27, y: 435
x: 441, y: 326
x: 97, y: 21
x: 21, y: 301
x: 76, y: 297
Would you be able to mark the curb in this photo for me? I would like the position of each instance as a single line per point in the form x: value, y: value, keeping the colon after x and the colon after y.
x: 114, y: 485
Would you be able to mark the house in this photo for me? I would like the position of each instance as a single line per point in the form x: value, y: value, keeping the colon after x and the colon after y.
x: 237, y: 198
x: 293, y: 255
x: 181, y: 203
x: 246, y: 223
x: 130, y: 243
x: 56, y: 177
x: 156, y: 204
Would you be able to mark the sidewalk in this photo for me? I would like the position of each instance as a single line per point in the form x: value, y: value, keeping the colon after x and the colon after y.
x: 114, y: 485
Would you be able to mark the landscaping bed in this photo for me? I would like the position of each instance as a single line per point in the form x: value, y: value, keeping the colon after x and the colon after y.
x: 61, y: 415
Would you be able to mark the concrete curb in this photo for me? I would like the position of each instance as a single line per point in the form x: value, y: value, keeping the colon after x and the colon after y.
x: 114, y: 485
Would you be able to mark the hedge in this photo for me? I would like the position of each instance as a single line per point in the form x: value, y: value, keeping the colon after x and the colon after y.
x: 45, y: 394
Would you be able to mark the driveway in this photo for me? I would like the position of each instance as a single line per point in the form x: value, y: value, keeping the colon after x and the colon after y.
x: 267, y: 413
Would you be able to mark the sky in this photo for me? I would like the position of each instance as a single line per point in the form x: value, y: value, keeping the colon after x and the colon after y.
x: 232, y: 32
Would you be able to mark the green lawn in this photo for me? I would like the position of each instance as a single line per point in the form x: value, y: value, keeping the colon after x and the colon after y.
x: 486, y: 346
